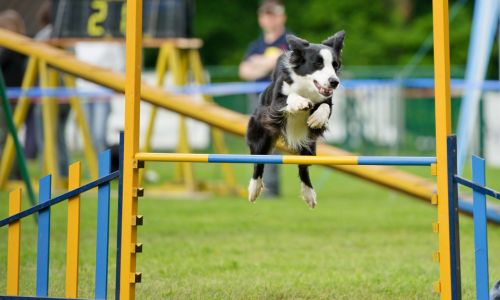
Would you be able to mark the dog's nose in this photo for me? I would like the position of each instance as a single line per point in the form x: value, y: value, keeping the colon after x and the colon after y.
x: 334, y: 82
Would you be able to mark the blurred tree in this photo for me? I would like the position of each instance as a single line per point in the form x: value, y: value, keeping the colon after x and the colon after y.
x: 386, y: 32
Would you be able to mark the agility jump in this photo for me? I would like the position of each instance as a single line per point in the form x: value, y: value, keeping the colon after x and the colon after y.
x: 442, y: 165
x: 448, y: 285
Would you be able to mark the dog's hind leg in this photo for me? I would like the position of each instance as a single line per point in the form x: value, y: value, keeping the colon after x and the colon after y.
x: 256, y: 184
x: 260, y: 142
x: 308, y: 193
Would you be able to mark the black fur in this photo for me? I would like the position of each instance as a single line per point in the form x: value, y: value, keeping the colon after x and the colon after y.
x: 268, y: 122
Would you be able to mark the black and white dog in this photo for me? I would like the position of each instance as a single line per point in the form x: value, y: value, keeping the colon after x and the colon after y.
x: 296, y: 106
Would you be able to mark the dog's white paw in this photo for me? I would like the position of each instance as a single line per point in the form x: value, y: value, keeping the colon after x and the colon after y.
x: 296, y: 103
x: 319, y: 119
x: 255, y: 187
x: 309, y: 195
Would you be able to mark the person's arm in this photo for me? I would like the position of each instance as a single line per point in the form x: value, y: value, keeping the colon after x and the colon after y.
x: 257, y: 66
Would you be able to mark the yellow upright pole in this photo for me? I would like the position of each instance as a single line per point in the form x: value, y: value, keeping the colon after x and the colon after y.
x: 128, y: 276
x: 88, y: 149
x: 217, y: 134
x: 443, y: 129
x: 179, y: 67
x: 161, y: 69
x: 49, y: 120
x: 19, y: 117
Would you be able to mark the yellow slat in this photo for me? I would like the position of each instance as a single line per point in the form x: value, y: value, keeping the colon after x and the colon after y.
x: 73, y: 239
x: 14, y: 245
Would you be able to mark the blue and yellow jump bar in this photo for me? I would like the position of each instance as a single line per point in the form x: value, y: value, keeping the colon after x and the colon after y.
x: 289, y: 159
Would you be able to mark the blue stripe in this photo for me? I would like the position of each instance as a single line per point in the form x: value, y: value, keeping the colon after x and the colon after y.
x: 396, y: 161
x: 42, y: 262
x: 234, y: 158
x: 62, y: 92
x: 236, y: 88
x: 102, y: 247
x: 480, y: 231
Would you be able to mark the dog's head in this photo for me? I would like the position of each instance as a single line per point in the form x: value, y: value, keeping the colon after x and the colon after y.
x: 316, y: 65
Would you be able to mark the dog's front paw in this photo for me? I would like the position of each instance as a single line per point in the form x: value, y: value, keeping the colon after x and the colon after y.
x: 255, y: 187
x: 297, y: 103
x: 309, y: 195
x: 319, y: 119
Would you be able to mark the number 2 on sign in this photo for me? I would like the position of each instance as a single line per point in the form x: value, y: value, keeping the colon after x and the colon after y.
x: 94, y: 28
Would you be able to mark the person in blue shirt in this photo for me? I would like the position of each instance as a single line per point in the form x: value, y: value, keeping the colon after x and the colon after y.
x: 262, y: 54
x: 258, y: 63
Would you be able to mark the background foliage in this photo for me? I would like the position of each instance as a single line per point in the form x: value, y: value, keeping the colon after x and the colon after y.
x: 384, y: 32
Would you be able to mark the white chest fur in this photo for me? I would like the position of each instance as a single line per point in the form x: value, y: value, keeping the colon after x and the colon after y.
x: 297, y: 132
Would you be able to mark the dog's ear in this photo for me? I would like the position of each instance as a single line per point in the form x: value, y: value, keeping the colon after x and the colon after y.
x: 296, y: 43
x: 336, y: 41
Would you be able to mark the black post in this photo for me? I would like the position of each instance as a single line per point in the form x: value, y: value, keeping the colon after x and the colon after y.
x: 119, y: 221
x: 456, y: 280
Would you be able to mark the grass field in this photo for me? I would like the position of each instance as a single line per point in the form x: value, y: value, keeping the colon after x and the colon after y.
x: 361, y: 242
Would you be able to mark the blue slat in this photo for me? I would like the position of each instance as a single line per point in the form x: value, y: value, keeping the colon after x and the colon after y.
x: 101, y: 270
x: 42, y: 262
x: 480, y: 230
x: 235, y: 158
x: 396, y: 161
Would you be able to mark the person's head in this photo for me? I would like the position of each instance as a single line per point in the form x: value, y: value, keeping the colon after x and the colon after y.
x: 12, y: 20
x: 272, y: 17
x: 44, y: 14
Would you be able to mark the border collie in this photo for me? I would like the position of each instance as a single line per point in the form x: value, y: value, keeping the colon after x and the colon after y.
x: 296, y: 106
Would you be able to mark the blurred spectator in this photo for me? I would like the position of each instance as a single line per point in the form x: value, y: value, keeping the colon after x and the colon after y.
x: 98, y: 109
x: 259, y: 62
x: 12, y: 65
x: 44, y: 18
x: 34, y: 132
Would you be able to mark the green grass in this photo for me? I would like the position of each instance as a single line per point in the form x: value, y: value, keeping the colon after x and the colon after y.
x: 361, y: 242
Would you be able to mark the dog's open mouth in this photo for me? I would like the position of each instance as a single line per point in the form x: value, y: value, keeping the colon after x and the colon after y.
x: 322, y: 90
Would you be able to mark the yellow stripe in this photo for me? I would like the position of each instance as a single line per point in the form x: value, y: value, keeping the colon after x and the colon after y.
x: 14, y: 245
x: 73, y: 239
x: 172, y: 157
x: 320, y: 160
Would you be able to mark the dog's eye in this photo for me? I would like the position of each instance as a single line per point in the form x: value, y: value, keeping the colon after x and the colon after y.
x: 335, y: 65
x: 318, y: 63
